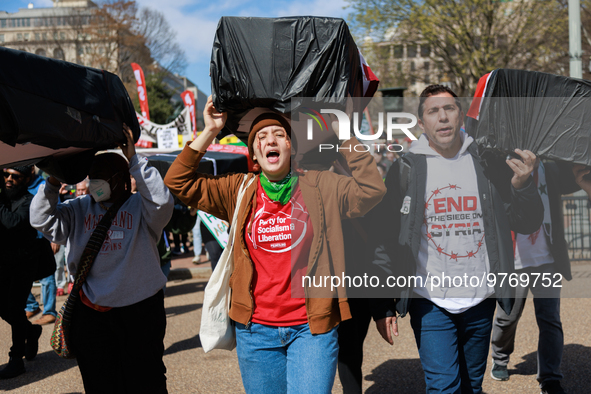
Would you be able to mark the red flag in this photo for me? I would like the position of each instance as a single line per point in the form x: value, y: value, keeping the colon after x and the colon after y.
x: 189, y: 100
x: 370, y: 81
x: 141, y: 90
x: 478, y: 95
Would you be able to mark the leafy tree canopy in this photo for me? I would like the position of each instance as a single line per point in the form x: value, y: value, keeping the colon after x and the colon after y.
x: 468, y: 38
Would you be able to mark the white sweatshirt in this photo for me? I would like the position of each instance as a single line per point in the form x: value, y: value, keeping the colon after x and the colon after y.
x: 533, y: 250
x: 127, y: 270
x: 452, y: 235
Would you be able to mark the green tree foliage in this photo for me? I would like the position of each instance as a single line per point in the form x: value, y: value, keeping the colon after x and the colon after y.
x: 467, y: 38
x: 161, y: 108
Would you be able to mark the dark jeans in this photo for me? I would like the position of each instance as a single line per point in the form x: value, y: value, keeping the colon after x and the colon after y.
x: 215, y: 252
x: 120, y: 351
x: 352, y: 333
x: 15, y: 285
x: 453, y: 347
x: 550, y: 338
x: 180, y: 240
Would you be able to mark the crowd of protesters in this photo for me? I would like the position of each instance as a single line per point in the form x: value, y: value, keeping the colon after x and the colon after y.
x: 380, y: 210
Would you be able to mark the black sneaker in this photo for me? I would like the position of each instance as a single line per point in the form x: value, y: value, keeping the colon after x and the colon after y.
x: 552, y: 387
x: 14, y: 368
x: 499, y: 372
x: 32, y: 346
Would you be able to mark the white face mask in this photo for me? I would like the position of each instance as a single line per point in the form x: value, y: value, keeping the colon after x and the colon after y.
x: 99, y: 189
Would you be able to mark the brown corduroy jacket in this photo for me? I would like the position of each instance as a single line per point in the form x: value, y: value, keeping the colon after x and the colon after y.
x: 329, y: 199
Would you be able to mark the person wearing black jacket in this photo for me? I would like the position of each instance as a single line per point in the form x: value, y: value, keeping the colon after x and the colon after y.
x: 449, y: 213
x: 16, y: 239
x: 540, y: 256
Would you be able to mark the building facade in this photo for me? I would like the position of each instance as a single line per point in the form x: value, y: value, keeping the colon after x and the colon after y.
x: 78, y: 31
x: 65, y: 31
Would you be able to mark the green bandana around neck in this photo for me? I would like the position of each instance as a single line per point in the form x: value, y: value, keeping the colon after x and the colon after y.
x: 279, y: 191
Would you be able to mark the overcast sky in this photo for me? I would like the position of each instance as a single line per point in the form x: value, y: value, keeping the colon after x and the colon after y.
x: 195, y: 22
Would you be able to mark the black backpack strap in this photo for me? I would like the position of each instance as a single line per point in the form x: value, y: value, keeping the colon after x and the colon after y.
x: 16, y: 204
x: 404, y: 169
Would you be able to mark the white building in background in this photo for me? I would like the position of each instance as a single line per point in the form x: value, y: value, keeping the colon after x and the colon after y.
x: 61, y: 32
x: 67, y: 31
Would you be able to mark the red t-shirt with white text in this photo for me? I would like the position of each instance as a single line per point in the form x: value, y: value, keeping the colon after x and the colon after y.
x: 279, y: 246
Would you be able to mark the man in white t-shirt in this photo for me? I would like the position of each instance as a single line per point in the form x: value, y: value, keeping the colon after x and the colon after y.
x: 450, y: 213
x: 541, y: 262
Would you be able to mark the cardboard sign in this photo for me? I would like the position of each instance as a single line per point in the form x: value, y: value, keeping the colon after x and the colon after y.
x: 167, y: 138
x: 217, y: 227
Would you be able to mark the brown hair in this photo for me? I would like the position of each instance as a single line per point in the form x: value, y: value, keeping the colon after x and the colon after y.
x: 432, y: 90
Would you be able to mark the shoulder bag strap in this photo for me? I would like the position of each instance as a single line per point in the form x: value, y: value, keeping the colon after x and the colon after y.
x: 239, y: 197
x: 404, y: 168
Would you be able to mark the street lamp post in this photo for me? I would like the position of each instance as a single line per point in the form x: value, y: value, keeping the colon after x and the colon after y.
x: 574, y: 30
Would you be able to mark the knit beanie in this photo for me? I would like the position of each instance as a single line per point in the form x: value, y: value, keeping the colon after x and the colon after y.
x: 24, y: 170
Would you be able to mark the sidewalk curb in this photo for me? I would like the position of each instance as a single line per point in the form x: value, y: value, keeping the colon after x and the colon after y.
x: 189, y: 273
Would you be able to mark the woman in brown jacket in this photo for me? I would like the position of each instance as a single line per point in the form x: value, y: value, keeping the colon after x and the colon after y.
x: 289, y: 227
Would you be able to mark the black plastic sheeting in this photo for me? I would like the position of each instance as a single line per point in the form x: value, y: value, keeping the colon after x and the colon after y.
x: 265, y: 62
x: 547, y: 114
x: 60, y: 105
x: 162, y: 163
x: 69, y: 169
x: 225, y: 162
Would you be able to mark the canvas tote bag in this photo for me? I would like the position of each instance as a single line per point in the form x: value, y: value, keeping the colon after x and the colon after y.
x: 217, y: 330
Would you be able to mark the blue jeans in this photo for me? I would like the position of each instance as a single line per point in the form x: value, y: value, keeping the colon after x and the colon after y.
x: 286, y: 359
x: 453, y: 347
x: 166, y: 270
x: 32, y: 303
x: 48, y: 291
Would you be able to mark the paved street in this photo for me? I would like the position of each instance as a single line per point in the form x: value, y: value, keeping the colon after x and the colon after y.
x: 387, y: 369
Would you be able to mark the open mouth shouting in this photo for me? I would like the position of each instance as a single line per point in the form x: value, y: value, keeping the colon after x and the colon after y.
x: 273, y: 156
x: 272, y: 151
